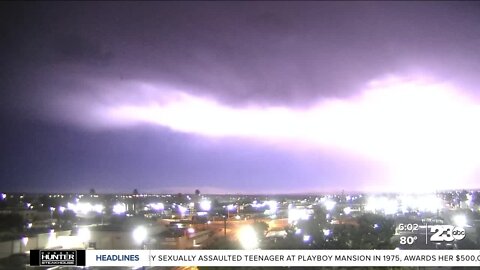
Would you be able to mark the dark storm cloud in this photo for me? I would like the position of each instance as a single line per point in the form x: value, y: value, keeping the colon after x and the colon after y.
x: 78, y: 49
x: 273, y: 53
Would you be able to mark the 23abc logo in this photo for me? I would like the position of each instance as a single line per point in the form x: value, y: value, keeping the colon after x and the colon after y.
x: 446, y: 233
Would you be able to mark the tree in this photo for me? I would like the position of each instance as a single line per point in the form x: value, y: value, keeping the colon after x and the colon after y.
x: 341, y: 237
x: 466, y: 243
x: 462, y: 196
x: 67, y: 219
x: 476, y: 198
x: 260, y: 228
x: 291, y: 241
x: 314, y: 227
x: 373, y: 232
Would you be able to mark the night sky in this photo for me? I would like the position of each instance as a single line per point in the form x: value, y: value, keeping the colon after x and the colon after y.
x: 239, y: 97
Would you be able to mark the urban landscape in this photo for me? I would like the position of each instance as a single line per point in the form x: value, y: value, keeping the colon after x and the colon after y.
x: 197, y: 221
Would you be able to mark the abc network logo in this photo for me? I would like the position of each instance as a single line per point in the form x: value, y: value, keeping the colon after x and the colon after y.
x: 446, y: 233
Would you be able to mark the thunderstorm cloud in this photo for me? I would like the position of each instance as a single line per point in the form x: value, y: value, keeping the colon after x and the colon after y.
x: 230, y: 95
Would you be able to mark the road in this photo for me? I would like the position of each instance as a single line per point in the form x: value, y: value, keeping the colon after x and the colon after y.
x: 234, y: 226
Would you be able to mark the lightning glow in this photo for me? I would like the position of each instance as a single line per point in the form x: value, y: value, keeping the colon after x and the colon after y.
x: 418, y: 129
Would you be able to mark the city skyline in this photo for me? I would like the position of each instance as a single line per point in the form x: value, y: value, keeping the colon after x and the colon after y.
x: 240, y: 97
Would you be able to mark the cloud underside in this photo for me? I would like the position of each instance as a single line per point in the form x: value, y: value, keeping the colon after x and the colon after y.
x: 421, y: 130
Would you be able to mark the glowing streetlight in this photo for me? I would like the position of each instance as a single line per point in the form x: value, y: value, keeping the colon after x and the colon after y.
x: 157, y: 206
x: 306, y: 238
x: 119, y: 208
x: 182, y: 210
x: 329, y: 205
x: 25, y: 241
x: 97, y: 208
x: 272, y: 205
x: 140, y: 235
x: 85, y: 208
x: 52, y: 238
x: 205, y: 205
x: 51, y: 212
x: 248, y: 237
x: 382, y: 204
x: 84, y: 234
x: 229, y: 208
x: 460, y: 220
x: 295, y: 214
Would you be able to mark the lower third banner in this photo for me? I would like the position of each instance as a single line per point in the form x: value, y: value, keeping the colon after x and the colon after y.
x: 283, y: 258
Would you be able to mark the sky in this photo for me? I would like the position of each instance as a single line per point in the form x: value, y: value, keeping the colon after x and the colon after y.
x: 239, y: 97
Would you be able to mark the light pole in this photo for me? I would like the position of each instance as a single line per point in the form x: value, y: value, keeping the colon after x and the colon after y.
x: 140, y: 235
x: 248, y: 237
x: 84, y: 235
x: 51, y: 213
x: 225, y: 227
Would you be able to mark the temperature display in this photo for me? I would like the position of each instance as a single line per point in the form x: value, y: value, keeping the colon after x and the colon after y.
x: 408, y: 240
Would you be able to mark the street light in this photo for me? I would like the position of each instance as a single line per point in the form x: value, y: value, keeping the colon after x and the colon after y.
x: 182, y: 210
x: 329, y: 205
x: 140, y: 235
x: 51, y: 212
x: 306, y: 238
x: 206, y: 205
x: 84, y: 235
x: 157, y: 206
x: 119, y: 208
x: 460, y: 220
x: 24, y: 242
x: 248, y: 237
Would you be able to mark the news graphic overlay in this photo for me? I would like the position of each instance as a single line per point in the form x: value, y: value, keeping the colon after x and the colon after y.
x: 446, y: 233
x: 426, y: 236
x: 419, y: 245
x: 284, y: 258
x: 129, y: 258
x: 57, y: 257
